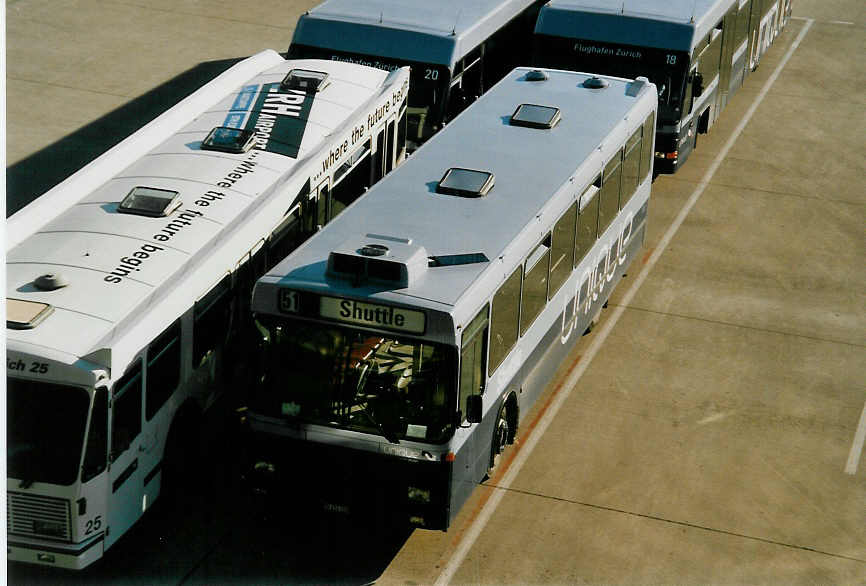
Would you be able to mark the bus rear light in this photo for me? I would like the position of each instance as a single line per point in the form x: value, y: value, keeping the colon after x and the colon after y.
x: 669, y: 156
x: 450, y: 457
x: 50, y: 528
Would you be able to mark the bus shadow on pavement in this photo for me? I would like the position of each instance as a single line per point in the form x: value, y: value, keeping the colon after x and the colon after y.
x: 31, y: 177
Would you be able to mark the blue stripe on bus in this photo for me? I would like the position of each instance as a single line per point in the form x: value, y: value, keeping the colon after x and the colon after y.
x: 242, y: 103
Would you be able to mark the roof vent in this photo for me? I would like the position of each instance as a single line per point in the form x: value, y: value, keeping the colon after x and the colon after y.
x: 535, y: 116
x: 25, y: 315
x: 229, y: 140
x: 465, y: 182
x: 149, y: 201
x: 50, y: 282
x: 537, y: 75
x: 396, y: 265
x: 636, y: 87
x: 305, y: 80
x: 595, y: 83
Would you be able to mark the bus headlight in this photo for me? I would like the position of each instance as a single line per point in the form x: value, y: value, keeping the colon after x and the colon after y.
x: 418, y: 495
x: 50, y: 528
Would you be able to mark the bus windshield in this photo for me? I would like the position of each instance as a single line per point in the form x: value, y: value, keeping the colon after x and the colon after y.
x: 351, y: 379
x: 428, y: 85
x: 45, y: 435
x: 666, y: 69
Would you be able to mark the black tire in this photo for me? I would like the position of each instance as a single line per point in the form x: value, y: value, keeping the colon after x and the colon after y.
x: 502, y: 433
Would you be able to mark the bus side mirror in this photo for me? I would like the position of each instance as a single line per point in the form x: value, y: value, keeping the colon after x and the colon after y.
x: 697, y: 85
x: 473, y: 408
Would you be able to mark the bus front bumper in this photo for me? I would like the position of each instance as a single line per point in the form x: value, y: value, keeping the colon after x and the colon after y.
x: 70, y: 556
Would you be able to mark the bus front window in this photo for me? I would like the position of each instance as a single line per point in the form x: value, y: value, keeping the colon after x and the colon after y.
x: 400, y: 389
x: 46, y: 424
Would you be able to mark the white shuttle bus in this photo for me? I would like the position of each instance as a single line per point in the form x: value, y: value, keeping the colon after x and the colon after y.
x: 407, y: 340
x: 128, y: 285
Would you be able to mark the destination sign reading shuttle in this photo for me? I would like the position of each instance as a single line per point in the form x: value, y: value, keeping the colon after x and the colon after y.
x: 367, y: 314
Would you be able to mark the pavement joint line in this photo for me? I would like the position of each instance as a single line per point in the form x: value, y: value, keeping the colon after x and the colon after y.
x: 736, y: 325
x: 676, y: 522
x: 857, y: 445
x: 450, y: 568
x: 202, y: 16
x: 67, y: 87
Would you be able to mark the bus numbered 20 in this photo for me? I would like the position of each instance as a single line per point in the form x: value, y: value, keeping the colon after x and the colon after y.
x: 456, y: 48
x: 128, y: 285
x: 407, y: 340
x: 697, y: 52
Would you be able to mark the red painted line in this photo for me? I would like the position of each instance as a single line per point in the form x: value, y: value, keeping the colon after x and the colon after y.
x: 648, y: 254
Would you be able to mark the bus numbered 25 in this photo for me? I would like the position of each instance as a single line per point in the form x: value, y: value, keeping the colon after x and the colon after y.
x: 697, y: 52
x: 128, y: 285
x: 407, y: 340
x: 457, y: 49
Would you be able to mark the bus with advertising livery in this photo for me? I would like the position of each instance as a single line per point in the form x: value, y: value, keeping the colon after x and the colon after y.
x: 128, y: 286
x: 407, y: 340
x: 456, y: 48
x: 697, y: 52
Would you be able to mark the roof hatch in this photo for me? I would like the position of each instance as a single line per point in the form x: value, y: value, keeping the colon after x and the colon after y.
x: 25, y: 315
x: 229, y: 140
x: 149, y: 201
x: 465, y: 182
x: 305, y: 80
x: 535, y: 116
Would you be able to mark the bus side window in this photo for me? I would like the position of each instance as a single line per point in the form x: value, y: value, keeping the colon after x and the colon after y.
x: 609, y: 202
x: 163, y: 369
x: 562, y: 258
x: 126, y: 411
x: 631, y: 167
x: 95, y: 456
x: 211, y: 322
x: 472, y: 353
x: 587, y: 221
x: 503, y: 319
x: 647, y: 145
x: 289, y: 233
x: 351, y: 179
x: 535, y: 284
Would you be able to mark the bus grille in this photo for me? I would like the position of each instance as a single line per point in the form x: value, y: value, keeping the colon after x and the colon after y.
x: 37, y: 516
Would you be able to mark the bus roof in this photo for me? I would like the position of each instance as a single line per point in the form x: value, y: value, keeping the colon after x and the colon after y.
x: 119, y: 265
x: 440, y: 32
x: 673, y: 24
x: 533, y: 170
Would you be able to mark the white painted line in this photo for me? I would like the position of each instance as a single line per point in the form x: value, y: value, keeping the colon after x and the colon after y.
x: 841, y: 22
x: 462, y: 550
x: 857, y: 446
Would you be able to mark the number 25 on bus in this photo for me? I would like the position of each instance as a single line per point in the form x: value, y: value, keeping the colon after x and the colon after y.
x: 407, y: 339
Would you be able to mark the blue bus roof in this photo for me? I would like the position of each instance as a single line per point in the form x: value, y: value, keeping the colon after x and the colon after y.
x: 538, y: 174
x: 672, y: 24
x: 440, y: 32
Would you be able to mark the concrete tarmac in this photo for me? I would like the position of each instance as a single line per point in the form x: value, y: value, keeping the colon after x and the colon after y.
x: 711, y: 439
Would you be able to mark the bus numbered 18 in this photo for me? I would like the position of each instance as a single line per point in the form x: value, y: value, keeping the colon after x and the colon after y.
x: 457, y: 49
x: 697, y: 52
x: 407, y: 340
x: 128, y: 285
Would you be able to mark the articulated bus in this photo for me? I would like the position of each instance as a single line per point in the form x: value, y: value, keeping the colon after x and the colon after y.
x: 128, y: 285
x: 407, y: 340
x: 456, y: 48
x: 697, y: 52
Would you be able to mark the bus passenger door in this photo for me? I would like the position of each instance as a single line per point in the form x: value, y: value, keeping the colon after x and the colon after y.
x: 126, y: 474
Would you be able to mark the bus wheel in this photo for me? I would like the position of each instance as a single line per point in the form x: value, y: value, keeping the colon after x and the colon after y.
x: 501, y: 434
